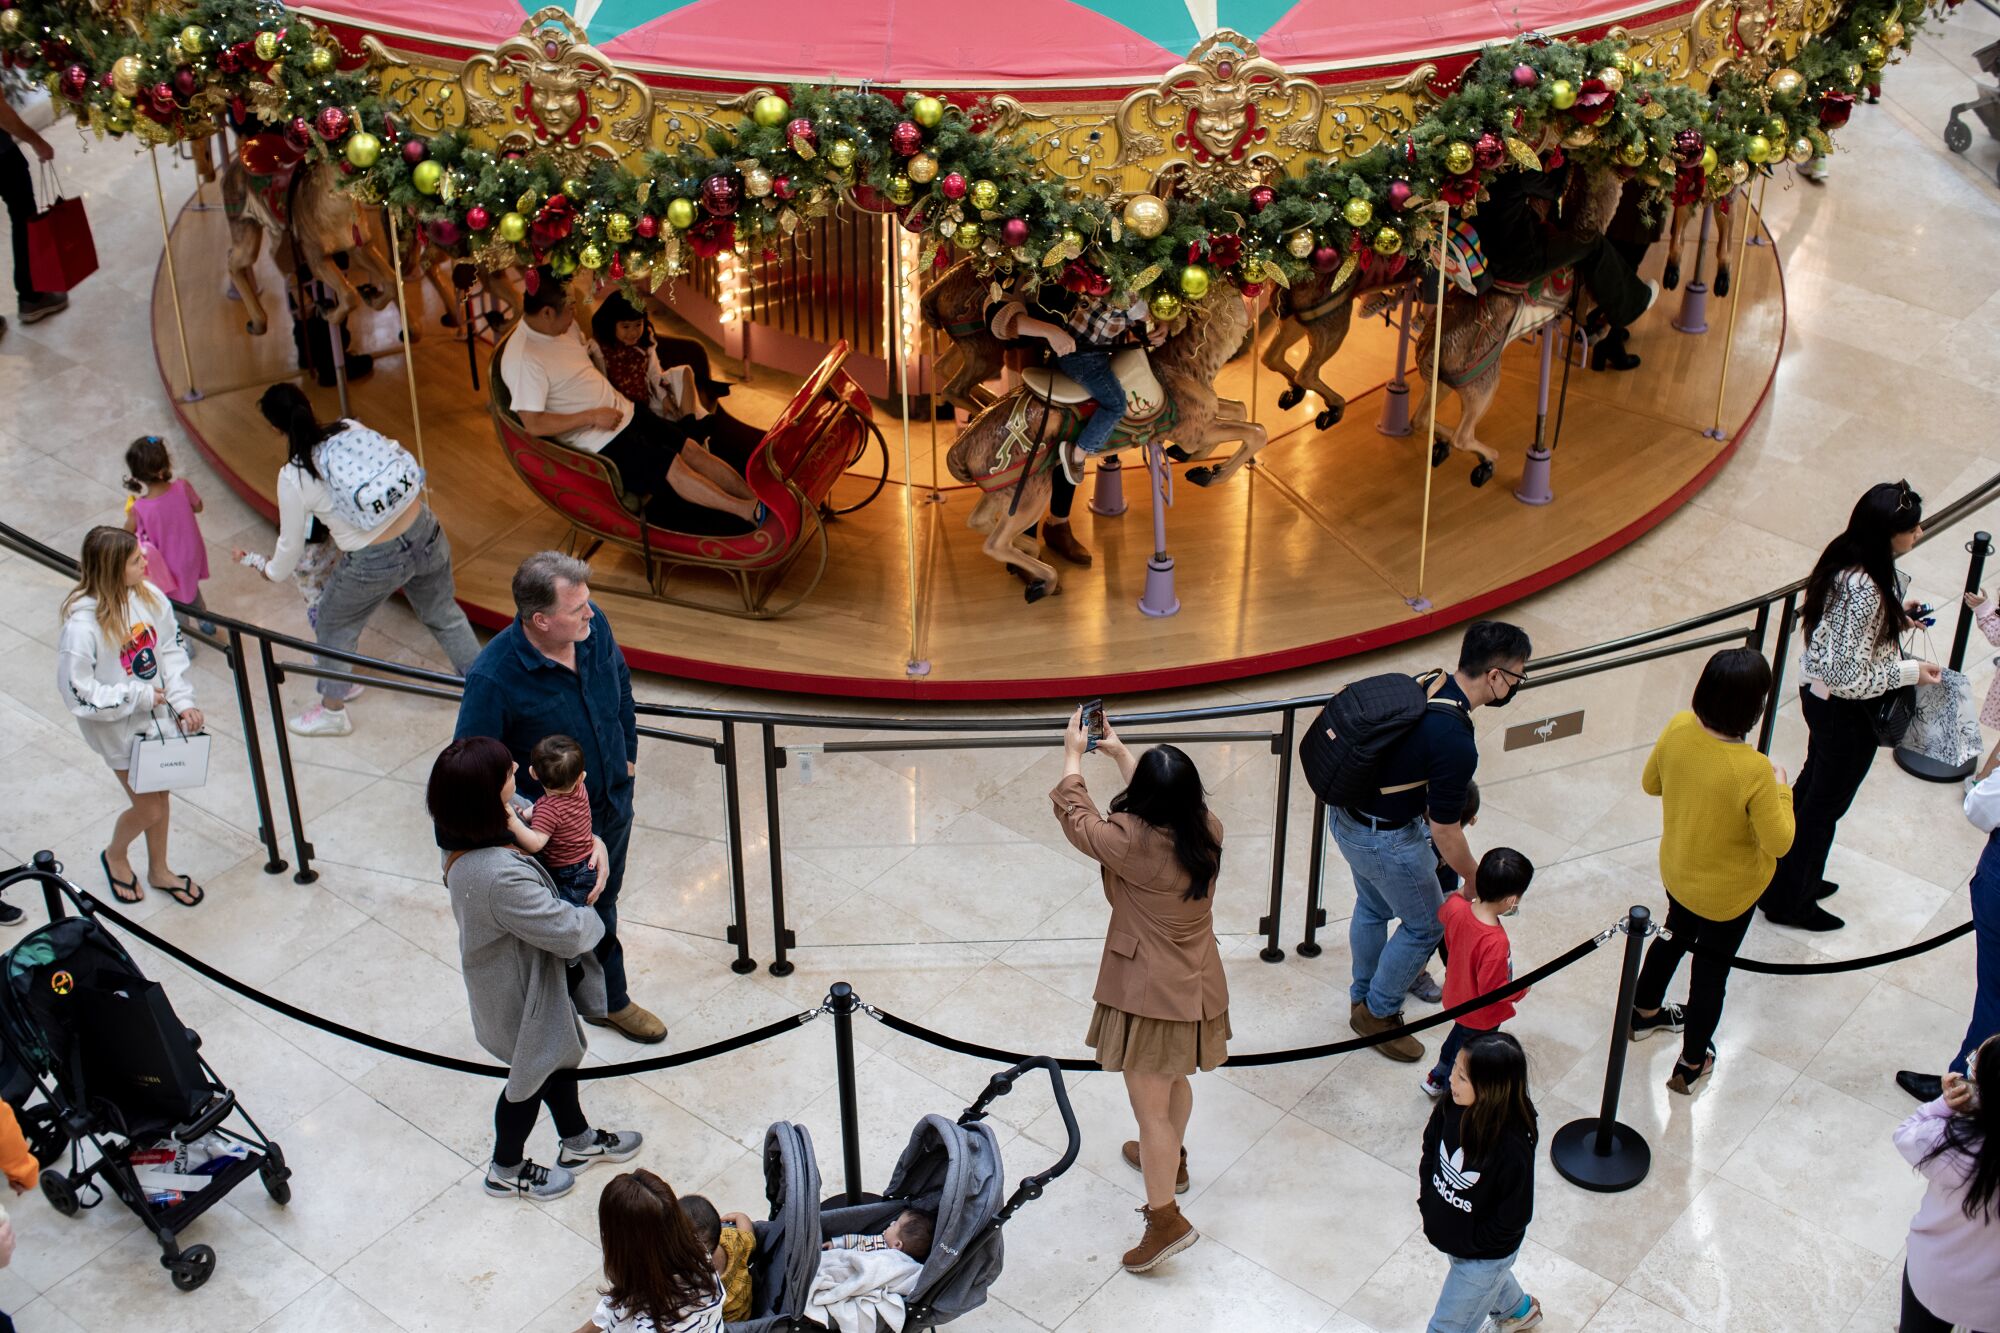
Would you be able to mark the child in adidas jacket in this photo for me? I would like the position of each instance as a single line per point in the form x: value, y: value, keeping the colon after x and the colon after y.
x: 1476, y: 1187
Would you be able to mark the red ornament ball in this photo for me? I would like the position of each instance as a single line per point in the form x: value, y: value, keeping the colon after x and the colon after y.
x: 953, y: 185
x: 1399, y: 194
x: 1252, y: 290
x: 184, y: 84
x: 783, y: 187
x: 907, y: 137
x: 719, y: 195
x: 415, y: 151
x: 331, y: 122
x: 477, y: 218
x: 76, y: 79
x: 1261, y: 197
x: 801, y: 131
x: 1488, y: 153
x: 1325, y: 259
x: 299, y: 133
x: 162, y: 97
x: 1014, y: 231
x: 647, y: 226
x: 1688, y: 146
x: 228, y: 61
x: 1525, y: 76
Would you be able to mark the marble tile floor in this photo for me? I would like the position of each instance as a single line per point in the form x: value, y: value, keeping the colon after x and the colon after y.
x: 936, y: 885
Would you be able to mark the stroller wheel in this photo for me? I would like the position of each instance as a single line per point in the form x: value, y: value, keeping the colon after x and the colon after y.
x: 1957, y: 135
x: 59, y: 1192
x: 195, y: 1266
x: 277, y: 1182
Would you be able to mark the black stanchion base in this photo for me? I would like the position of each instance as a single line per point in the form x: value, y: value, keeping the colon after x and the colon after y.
x: 1929, y: 769
x: 781, y: 968
x: 1574, y: 1152
x: 743, y: 966
x: 305, y: 877
x: 276, y: 867
x: 1271, y: 953
x: 1307, y: 949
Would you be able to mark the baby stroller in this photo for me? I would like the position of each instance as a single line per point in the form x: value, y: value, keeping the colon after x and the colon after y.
x: 82, y: 1025
x: 1957, y: 134
x: 952, y: 1169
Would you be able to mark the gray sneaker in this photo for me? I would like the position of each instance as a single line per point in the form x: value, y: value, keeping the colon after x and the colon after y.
x: 529, y: 1181
x: 598, y: 1145
x: 1426, y: 988
x: 41, y: 305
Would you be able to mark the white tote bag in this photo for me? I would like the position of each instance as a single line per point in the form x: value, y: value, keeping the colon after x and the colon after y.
x: 167, y: 762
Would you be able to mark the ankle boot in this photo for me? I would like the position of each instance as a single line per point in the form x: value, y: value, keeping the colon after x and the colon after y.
x: 1167, y: 1232
x: 1057, y: 536
x: 1672, y: 277
x: 1610, y: 353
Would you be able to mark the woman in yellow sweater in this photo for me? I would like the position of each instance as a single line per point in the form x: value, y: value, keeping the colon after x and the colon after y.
x: 1727, y: 819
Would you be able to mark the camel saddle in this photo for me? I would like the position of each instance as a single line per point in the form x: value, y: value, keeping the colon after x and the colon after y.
x: 1494, y: 324
x: 270, y: 160
x: 1144, y: 398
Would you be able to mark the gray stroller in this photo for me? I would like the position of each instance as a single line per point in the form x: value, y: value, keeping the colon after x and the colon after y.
x: 950, y: 1168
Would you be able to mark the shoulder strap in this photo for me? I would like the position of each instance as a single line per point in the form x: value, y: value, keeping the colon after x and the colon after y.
x: 451, y: 861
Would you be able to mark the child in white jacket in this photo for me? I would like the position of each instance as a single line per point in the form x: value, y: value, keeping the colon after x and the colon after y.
x: 122, y: 669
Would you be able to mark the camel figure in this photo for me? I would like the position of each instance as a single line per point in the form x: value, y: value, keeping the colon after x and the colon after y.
x: 1015, y: 435
x: 1725, y: 222
x: 317, y: 217
x: 1477, y: 329
x: 1319, y: 312
x: 955, y: 305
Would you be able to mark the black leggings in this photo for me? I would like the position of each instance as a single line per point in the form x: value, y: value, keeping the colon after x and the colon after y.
x: 1917, y: 1319
x: 1840, y: 748
x: 1708, y: 978
x: 514, y: 1121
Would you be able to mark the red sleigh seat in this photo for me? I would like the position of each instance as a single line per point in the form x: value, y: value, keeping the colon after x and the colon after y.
x: 819, y: 435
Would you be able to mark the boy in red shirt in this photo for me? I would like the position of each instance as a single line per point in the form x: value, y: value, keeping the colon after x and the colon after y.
x: 558, y: 829
x: 1480, y: 959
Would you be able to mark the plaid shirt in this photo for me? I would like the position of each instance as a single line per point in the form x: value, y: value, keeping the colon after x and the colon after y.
x: 1099, y: 321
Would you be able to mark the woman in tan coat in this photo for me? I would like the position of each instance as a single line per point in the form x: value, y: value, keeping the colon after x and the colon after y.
x: 1162, y: 1001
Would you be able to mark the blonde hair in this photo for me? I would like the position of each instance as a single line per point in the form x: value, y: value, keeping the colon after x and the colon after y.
x: 105, y: 553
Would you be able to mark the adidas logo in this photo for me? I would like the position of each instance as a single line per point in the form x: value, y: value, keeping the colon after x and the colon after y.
x: 1452, y: 1177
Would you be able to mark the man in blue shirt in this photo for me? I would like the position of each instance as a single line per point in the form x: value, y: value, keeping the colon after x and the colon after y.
x: 557, y: 671
x: 1421, y: 784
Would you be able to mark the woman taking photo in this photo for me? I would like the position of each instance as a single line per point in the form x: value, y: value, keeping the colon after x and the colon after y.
x: 516, y: 939
x: 1476, y: 1188
x: 657, y: 1276
x: 366, y: 489
x: 1162, y: 1001
x: 1727, y: 818
x: 121, y: 666
x: 1852, y: 616
x: 1952, y: 1273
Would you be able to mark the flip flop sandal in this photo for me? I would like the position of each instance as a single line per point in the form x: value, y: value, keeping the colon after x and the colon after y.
x: 189, y: 894
x: 118, y: 886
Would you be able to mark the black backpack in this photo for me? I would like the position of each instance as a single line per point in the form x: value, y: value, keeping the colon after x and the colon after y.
x: 1343, y: 751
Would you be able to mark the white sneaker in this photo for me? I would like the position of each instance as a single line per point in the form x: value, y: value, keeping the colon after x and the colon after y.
x: 598, y: 1145
x: 319, y: 720
x: 529, y: 1181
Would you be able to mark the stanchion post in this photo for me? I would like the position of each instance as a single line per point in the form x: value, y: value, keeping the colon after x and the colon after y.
x: 1599, y: 1153
x: 1315, y: 884
x: 781, y: 939
x: 305, y: 874
x: 267, y: 833
x: 1281, y: 745
x: 732, y: 832
x: 1786, y: 619
x: 1922, y: 765
x: 840, y: 1000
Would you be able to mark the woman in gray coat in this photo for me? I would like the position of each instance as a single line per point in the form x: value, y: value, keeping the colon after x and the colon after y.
x: 516, y: 941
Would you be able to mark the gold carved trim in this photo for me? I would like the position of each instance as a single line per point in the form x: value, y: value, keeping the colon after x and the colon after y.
x: 556, y: 91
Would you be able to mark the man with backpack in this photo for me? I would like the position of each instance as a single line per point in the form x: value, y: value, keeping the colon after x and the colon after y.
x: 1392, y: 756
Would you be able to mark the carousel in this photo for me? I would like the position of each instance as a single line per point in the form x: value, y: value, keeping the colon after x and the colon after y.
x: 1355, y: 408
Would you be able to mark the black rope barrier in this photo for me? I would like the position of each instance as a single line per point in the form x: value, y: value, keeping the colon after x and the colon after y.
x: 1820, y: 969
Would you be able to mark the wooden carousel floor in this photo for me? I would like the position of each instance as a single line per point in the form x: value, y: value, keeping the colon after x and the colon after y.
x: 1309, y: 555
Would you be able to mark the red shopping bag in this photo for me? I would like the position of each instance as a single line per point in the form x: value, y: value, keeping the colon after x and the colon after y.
x: 60, y: 251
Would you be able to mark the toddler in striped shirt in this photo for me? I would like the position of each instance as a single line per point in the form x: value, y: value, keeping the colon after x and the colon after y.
x: 557, y: 831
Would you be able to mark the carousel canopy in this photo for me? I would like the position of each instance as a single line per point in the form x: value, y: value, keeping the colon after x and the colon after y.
x: 979, y: 44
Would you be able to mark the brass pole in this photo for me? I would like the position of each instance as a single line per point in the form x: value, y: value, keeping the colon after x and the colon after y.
x: 937, y: 492
x: 409, y: 350
x: 173, y: 281
x: 1430, y: 431
x: 1256, y: 362
x: 1743, y: 229
x: 894, y: 283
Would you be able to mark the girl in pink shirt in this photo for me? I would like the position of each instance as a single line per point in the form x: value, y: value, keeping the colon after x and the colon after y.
x: 1952, y: 1275
x: 162, y: 513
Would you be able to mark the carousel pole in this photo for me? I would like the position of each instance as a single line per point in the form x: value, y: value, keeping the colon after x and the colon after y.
x: 409, y: 351
x: 1693, y: 314
x: 173, y: 281
x: 1743, y: 229
x: 1396, y: 396
x: 1256, y: 361
x: 937, y: 491
x: 1420, y: 602
x: 894, y: 285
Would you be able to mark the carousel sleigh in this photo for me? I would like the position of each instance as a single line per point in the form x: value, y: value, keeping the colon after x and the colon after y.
x: 820, y: 434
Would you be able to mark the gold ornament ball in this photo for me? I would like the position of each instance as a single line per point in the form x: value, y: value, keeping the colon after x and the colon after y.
x: 1873, y: 54
x: 900, y: 190
x: 1708, y: 161
x: 1612, y: 78
x: 1759, y: 148
x: 1145, y: 215
x: 1802, y: 150
x: 1739, y: 172
x: 1776, y: 129
x: 511, y: 227
x: 984, y: 195
x: 364, y: 149
x: 591, y: 256
x: 1072, y: 239
x: 1194, y: 282
x: 841, y: 153
x: 1388, y: 241
x: 266, y: 46
x: 1622, y: 63
x: 1165, y: 307
x: 1458, y: 157
x: 757, y: 183
x: 1632, y: 153
x: 927, y: 111
x: 618, y: 229
x: 1358, y: 212
x: 573, y: 189
x: 770, y: 111
x: 1301, y: 243
x: 1892, y: 33
x: 680, y: 214
x: 427, y: 176
x: 1786, y: 83
x: 320, y: 61
x: 637, y: 264
x: 192, y: 38
x: 1562, y: 94
x: 562, y: 265
x: 923, y: 168
x: 10, y: 20
x: 125, y: 72
x: 967, y: 235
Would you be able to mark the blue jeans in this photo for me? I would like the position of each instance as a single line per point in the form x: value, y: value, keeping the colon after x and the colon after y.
x: 1986, y: 952
x: 1448, y: 1053
x: 1395, y: 879
x: 1092, y: 369
x: 419, y: 563
x: 574, y: 882
x: 1475, y: 1289
x: 617, y: 837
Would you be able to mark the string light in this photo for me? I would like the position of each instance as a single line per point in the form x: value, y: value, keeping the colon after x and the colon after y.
x: 729, y: 281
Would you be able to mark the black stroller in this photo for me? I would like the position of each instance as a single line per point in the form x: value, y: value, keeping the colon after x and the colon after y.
x: 1957, y: 134
x: 950, y: 1168
x: 82, y: 1025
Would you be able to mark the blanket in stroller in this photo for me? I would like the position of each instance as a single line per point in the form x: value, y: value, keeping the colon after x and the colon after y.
x: 854, y: 1289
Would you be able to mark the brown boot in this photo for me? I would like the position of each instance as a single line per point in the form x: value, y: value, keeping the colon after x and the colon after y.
x: 1132, y: 1160
x: 1405, y: 1048
x: 1056, y: 535
x: 638, y: 1024
x: 1167, y: 1232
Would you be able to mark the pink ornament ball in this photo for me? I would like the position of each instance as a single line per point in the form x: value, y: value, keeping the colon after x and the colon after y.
x: 1014, y: 232
x: 907, y: 137
x: 415, y: 151
x: 1525, y: 76
x: 478, y: 218
x: 953, y: 185
x: 1399, y: 194
x: 1325, y: 259
x: 801, y: 131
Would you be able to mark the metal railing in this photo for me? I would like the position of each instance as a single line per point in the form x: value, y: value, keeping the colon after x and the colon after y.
x: 1772, y: 623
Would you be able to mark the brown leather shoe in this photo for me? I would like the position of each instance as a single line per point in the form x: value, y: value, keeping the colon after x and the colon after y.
x: 1132, y: 1160
x: 1167, y: 1232
x: 638, y: 1024
x: 1062, y: 542
x: 1406, y: 1049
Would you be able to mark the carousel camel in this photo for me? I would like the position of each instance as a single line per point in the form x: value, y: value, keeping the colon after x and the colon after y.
x: 955, y: 305
x: 1015, y: 435
x: 1725, y: 221
x: 1477, y: 329
x: 1319, y: 312
x: 320, y: 220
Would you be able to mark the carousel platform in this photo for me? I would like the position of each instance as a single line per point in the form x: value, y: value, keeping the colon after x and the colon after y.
x: 1310, y: 554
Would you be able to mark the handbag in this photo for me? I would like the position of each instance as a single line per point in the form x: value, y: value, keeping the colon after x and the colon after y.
x: 60, y: 251
x: 160, y: 762
x: 1891, y: 714
x: 1946, y: 725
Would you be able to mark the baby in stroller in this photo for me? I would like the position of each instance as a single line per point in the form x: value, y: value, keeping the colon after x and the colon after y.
x: 910, y: 1234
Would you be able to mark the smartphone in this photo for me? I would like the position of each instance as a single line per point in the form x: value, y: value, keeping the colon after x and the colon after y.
x: 1093, y: 724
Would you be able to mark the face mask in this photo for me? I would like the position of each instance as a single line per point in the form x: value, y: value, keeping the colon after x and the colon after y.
x: 1502, y: 700
x: 1512, y: 911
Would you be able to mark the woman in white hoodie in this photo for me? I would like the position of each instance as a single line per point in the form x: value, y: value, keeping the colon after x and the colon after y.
x: 120, y: 663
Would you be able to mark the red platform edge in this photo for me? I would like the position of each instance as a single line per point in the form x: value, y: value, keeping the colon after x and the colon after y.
x: 1133, y: 682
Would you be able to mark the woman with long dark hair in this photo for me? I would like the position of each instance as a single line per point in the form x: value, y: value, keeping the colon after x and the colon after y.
x: 1852, y: 618
x: 368, y: 491
x: 1952, y: 1273
x: 1162, y: 1000
x: 657, y: 1276
x: 1476, y: 1187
